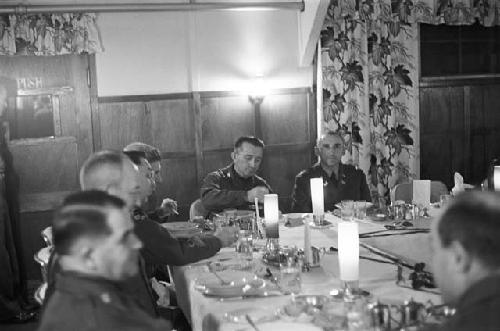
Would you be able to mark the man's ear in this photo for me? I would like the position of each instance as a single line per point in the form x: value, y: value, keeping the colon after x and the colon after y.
x: 233, y: 155
x: 85, y: 253
x: 462, y: 260
x: 316, y: 151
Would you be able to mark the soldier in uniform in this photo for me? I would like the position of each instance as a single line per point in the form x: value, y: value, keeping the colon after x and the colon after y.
x: 97, y: 249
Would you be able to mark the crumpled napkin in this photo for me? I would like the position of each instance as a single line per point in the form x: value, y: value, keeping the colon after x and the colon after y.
x: 460, y: 186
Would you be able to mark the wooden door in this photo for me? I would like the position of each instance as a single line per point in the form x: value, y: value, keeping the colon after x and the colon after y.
x: 48, y: 166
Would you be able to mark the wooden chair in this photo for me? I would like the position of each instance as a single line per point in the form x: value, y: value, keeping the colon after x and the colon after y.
x: 47, y: 236
x: 404, y: 191
x: 197, y: 209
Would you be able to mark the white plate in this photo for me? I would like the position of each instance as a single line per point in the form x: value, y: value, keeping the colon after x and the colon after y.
x: 286, y: 326
x: 368, y: 204
x: 237, y: 280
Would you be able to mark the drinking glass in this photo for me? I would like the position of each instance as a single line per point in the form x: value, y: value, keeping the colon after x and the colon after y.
x: 360, y: 210
x: 347, y: 210
x: 220, y: 221
x: 244, y: 245
x: 290, y: 269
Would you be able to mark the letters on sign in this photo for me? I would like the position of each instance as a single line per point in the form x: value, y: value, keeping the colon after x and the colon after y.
x: 26, y: 83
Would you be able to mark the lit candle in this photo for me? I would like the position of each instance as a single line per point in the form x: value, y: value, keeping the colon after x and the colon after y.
x: 348, y: 240
x: 271, y: 215
x: 496, y: 178
x: 317, y: 196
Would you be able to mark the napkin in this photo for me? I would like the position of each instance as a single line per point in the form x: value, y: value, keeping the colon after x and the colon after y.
x: 460, y: 186
x: 422, y: 192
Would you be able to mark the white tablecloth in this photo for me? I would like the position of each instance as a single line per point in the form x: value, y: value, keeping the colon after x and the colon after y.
x: 377, y: 278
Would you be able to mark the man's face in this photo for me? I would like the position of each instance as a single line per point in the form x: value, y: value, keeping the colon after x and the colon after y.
x: 116, y: 256
x: 156, y: 171
x: 330, y: 150
x: 145, y: 179
x: 443, y: 268
x: 129, y: 189
x: 247, y: 159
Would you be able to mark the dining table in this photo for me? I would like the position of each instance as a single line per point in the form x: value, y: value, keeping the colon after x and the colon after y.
x: 383, y: 272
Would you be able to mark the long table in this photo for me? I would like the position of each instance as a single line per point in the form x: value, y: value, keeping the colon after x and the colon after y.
x: 377, y: 278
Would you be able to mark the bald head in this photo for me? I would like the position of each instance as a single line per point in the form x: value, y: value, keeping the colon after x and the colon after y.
x: 112, y: 172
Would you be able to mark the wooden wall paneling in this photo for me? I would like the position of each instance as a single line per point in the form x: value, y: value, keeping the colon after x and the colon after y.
x: 224, y: 119
x: 180, y: 183
x: 441, y: 125
x: 122, y: 123
x: 285, y: 118
x: 195, y: 107
x: 478, y: 134
x: 280, y: 166
x: 491, y: 111
x: 213, y: 160
x: 172, y: 128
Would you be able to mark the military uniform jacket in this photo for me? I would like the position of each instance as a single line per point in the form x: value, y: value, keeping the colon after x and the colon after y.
x: 351, y: 185
x: 224, y: 189
x: 83, y: 303
x: 478, y: 308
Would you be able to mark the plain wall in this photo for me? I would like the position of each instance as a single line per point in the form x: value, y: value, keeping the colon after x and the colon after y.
x: 170, y: 52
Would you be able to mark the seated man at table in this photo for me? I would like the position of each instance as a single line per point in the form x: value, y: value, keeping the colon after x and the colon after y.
x: 115, y: 173
x: 151, y: 155
x: 237, y: 185
x: 97, y: 249
x: 466, y: 260
x: 341, y: 181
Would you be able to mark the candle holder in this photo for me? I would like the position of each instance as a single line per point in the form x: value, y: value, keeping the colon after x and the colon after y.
x: 319, y: 220
x: 350, y: 291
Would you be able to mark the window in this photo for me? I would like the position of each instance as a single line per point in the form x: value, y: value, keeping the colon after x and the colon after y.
x: 459, y: 50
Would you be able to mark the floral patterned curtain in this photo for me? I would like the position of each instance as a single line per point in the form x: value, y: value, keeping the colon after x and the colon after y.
x: 49, y: 34
x: 369, y: 60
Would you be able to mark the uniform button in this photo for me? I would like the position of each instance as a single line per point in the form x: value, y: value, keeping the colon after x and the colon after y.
x: 105, y: 298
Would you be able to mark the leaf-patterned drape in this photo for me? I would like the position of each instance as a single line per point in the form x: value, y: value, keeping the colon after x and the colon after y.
x: 369, y: 79
x: 49, y: 34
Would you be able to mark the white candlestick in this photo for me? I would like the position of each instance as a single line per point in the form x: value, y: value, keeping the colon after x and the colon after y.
x: 271, y: 215
x: 307, y: 243
x: 348, y: 240
x: 496, y: 178
x: 317, y: 196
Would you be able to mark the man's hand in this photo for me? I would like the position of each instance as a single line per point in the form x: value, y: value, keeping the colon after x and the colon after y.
x: 257, y: 192
x: 227, y: 235
x: 169, y: 207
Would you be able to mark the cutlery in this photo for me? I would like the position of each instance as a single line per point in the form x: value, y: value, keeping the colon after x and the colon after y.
x: 222, y: 280
x: 251, y: 322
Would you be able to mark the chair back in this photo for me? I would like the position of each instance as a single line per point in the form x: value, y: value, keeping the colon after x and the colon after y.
x: 197, y: 209
x: 404, y: 191
x: 42, y: 257
x: 47, y: 236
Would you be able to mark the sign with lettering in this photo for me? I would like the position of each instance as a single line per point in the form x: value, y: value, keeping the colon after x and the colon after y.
x: 27, y: 83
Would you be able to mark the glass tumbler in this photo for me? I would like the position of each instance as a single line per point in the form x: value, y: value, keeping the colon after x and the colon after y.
x: 347, y: 210
x: 244, y: 245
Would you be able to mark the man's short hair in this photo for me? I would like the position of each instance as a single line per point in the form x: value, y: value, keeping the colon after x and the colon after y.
x: 89, y: 173
x: 473, y: 220
x: 136, y: 157
x: 254, y: 141
x: 82, y: 215
x: 151, y: 153
x: 330, y: 134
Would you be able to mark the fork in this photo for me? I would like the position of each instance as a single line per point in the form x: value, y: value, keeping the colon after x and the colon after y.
x: 222, y: 280
x: 251, y: 322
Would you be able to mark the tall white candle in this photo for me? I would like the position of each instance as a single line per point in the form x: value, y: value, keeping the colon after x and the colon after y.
x: 348, y: 240
x: 271, y: 215
x: 317, y: 196
x: 496, y: 178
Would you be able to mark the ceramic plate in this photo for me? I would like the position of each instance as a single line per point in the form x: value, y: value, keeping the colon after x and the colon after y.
x: 234, y: 285
x: 368, y: 204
